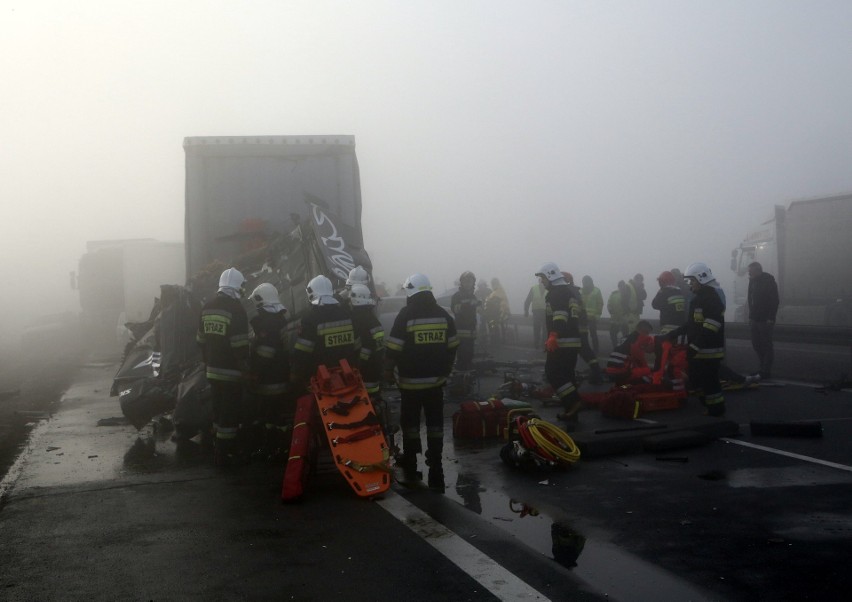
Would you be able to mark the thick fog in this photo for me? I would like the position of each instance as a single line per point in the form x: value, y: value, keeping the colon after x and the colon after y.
x: 492, y: 136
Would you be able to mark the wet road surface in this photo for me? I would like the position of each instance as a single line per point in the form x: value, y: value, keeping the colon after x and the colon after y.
x: 106, y: 512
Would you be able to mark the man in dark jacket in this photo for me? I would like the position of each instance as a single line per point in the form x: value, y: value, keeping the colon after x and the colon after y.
x: 422, y: 347
x: 762, y: 309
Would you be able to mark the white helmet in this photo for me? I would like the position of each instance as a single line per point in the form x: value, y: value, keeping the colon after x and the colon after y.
x: 700, y: 272
x: 360, y: 295
x: 550, y: 271
x: 232, y: 278
x: 357, y: 275
x: 318, y: 288
x: 416, y: 283
x: 265, y: 294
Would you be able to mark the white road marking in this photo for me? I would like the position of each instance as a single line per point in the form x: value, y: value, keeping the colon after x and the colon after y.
x: 781, y: 452
x: 485, y: 570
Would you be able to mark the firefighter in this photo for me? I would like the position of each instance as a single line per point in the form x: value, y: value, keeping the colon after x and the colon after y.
x: 586, y: 351
x: 627, y: 363
x: 357, y: 275
x: 464, y: 305
x: 223, y: 336
x: 616, y: 315
x: 369, y: 331
x: 325, y: 336
x: 705, y: 334
x: 670, y: 303
x: 562, y: 315
x: 422, y: 348
x: 270, y: 370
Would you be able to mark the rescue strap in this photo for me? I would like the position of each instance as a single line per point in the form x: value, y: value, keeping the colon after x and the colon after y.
x: 369, y: 420
x: 359, y: 436
x: 342, y: 407
x: 383, y: 466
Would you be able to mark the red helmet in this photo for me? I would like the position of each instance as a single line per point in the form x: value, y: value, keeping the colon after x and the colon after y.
x: 568, y: 277
x: 666, y: 279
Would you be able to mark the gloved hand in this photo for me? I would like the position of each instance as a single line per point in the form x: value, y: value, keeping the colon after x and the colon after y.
x: 550, y: 344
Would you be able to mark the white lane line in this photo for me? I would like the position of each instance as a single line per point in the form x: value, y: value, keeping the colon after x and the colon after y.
x: 781, y: 452
x: 493, y: 577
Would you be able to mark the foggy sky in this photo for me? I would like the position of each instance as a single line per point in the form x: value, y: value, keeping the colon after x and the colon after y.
x: 492, y: 136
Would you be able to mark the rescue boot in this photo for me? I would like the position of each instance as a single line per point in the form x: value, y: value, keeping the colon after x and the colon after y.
x: 571, y: 415
x: 436, y: 479
x: 434, y: 462
x: 225, y: 452
x: 407, y: 465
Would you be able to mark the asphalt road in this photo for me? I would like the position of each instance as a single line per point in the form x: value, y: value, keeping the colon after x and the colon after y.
x: 104, y: 512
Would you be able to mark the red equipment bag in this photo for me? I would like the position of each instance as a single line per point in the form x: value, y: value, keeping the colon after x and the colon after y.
x: 479, y: 419
x: 619, y: 403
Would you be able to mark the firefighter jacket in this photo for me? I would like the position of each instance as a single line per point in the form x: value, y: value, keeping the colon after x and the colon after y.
x: 422, y: 344
x: 582, y: 317
x: 224, y: 338
x: 762, y: 298
x: 270, y: 356
x: 630, y: 353
x: 562, y: 316
x: 464, y: 304
x: 672, y: 307
x: 369, y: 331
x: 705, y: 325
x: 326, y: 336
x: 593, y: 301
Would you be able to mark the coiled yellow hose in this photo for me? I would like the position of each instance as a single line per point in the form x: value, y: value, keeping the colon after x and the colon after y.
x: 553, y: 440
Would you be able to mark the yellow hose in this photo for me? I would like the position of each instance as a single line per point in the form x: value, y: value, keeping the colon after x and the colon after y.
x: 564, y: 450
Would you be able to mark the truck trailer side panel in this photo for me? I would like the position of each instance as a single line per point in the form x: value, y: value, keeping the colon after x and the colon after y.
x: 241, y: 187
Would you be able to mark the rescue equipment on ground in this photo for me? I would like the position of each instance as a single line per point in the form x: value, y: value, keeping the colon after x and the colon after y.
x: 485, y: 419
x: 343, y: 411
x: 539, y: 443
x: 632, y: 401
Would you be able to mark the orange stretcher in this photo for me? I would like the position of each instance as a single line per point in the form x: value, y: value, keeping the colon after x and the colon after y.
x: 353, y: 429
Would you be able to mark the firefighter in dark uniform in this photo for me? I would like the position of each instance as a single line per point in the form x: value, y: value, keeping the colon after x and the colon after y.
x: 422, y: 347
x: 371, y: 358
x: 464, y: 305
x: 705, y: 335
x: 586, y: 351
x: 562, y: 317
x: 270, y: 370
x: 670, y: 302
x: 326, y: 335
x: 224, y: 340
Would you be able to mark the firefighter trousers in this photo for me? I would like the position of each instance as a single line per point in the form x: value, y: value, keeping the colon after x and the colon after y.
x: 429, y: 402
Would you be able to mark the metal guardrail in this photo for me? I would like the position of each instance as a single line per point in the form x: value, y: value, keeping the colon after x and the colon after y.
x: 784, y: 333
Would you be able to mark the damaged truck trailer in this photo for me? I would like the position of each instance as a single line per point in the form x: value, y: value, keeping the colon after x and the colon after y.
x: 281, y: 209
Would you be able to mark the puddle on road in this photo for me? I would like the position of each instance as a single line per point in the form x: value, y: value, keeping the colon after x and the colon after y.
x: 604, y: 566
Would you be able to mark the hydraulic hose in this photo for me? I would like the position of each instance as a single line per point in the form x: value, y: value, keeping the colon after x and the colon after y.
x: 548, y: 440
